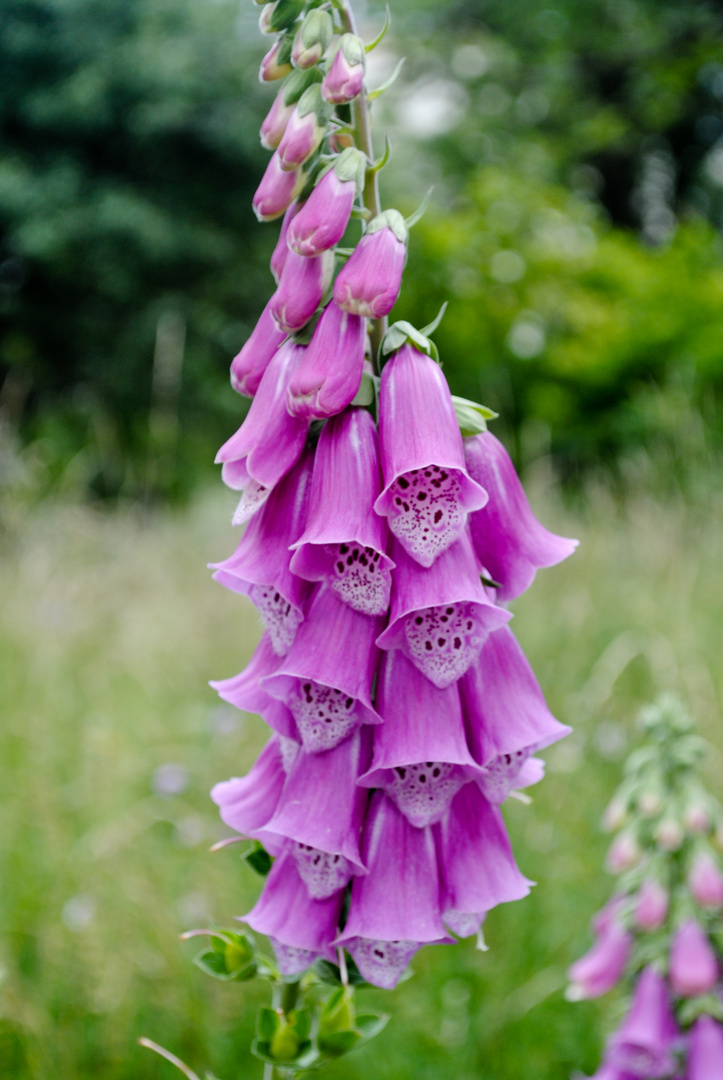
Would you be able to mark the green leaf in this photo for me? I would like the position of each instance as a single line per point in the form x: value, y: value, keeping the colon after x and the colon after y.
x: 431, y: 327
x: 267, y: 1023
x: 299, y: 1021
x: 369, y: 1025
x: 337, y: 1043
x: 382, y: 33
x: 259, y: 859
x: 387, y: 82
x: 471, y: 417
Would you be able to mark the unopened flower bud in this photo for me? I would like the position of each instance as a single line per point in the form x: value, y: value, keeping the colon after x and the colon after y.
x: 669, y: 834
x: 705, y: 880
x: 280, y: 15
x: 602, y: 967
x: 369, y: 284
x: 651, y: 801
x: 281, y: 250
x: 651, y: 905
x: 277, y: 190
x: 274, y: 126
x: 693, y: 966
x: 285, y: 1043
x: 312, y: 39
x: 623, y: 853
x: 325, y: 215
x: 301, y: 288
x: 615, y: 815
x: 603, y: 919
x: 277, y: 62
x: 337, y: 1014
x: 705, y: 1052
x: 696, y: 817
x: 329, y: 376
x: 304, y: 130
x: 345, y: 77
x: 248, y: 367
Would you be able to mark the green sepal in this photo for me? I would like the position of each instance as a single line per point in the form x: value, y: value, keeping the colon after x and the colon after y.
x: 327, y: 972
x: 284, y: 1039
x: 285, y: 13
x: 338, y: 1043
x: 231, y: 956
x: 258, y: 859
x: 390, y: 219
x: 703, y: 1005
x: 370, y: 1025
x: 312, y: 101
x: 471, y: 416
x: 400, y: 333
x: 267, y: 1023
x: 316, y: 29
x: 298, y: 82
x: 367, y: 391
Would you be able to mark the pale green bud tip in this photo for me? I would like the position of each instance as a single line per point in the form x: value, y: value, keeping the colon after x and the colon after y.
x: 390, y: 219
x: 353, y: 49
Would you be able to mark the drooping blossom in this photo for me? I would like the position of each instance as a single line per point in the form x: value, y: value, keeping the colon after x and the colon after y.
x: 651, y: 904
x: 277, y: 190
x: 345, y: 78
x: 277, y: 62
x: 644, y: 1043
x: 693, y: 966
x: 369, y: 283
x: 345, y: 542
x: 705, y: 1057
x: 328, y: 378
x: 325, y: 215
x: 301, y: 288
x: 602, y: 967
x: 305, y: 130
x: 427, y: 491
x: 281, y: 249
x: 246, y: 803
x: 706, y: 881
x: 249, y: 365
x: 312, y: 38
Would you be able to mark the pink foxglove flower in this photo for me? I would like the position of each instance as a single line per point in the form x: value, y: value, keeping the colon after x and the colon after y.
x: 325, y: 215
x: 345, y: 542
x: 259, y: 568
x: 440, y: 617
x: 281, y: 250
x: 506, y: 715
x: 248, y: 367
x: 300, y: 927
x: 326, y: 678
x: 706, y: 881
x: 269, y: 441
x: 277, y: 62
x: 477, y: 867
x: 320, y: 813
x: 693, y: 966
x: 305, y: 129
x: 244, y: 692
x: 312, y: 39
x: 395, y: 907
x: 370, y: 281
x: 600, y: 969
x: 419, y: 761
x: 643, y: 1045
x: 651, y: 905
x: 510, y: 542
x: 427, y: 491
x: 277, y: 190
x: 705, y: 1058
x: 608, y: 914
x: 246, y: 803
x: 329, y: 376
x: 301, y: 287
x: 623, y: 853
x: 274, y: 125
x: 345, y: 78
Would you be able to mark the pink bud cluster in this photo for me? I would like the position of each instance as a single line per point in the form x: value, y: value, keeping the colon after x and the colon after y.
x: 661, y: 931
x: 380, y: 550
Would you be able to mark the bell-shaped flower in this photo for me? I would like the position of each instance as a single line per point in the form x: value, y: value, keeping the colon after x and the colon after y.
x: 244, y: 691
x: 643, y: 1045
x: 476, y: 863
x: 705, y: 1052
x: 705, y: 880
x: 269, y: 441
x: 651, y: 905
x: 394, y: 908
x: 345, y: 77
x: 301, y: 289
x: 305, y: 129
x: 344, y: 542
x: 505, y: 712
x: 325, y: 214
x: 275, y: 121
x: 693, y: 965
x: 440, y: 617
x: 312, y: 39
x: 427, y: 490
x: 248, y: 366
x: 329, y: 377
x: 369, y: 283
x: 420, y: 756
x: 510, y: 542
x: 277, y: 190
x: 603, y: 919
x: 281, y: 250
x: 326, y: 678
x: 320, y: 814
x: 600, y: 969
x: 277, y: 62
x: 300, y: 928
x: 246, y: 803
x: 259, y: 568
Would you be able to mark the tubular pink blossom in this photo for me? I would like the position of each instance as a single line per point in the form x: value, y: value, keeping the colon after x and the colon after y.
x: 274, y: 124
x: 651, y: 905
x: 326, y: 678
x: 325, y: 216
x: 506, y: 716
x: 244, y: 692
x: 420, y: 761
x: 281, y: 250
x: 427, y: 492
x: 269, y: 441
x: 369, y: 283
x: 345, y: 78
x: 395, y: 907
x: 321, y: 812
x: 603, y: 919
x: 277, y: 190
x: 623, y: 853
x: 246, y: 803
x: 600, y: 969
x: 643, y: 1045
x: 302, y: 137
x: 705, y: 881
x: 300, y: 291
x: 344, y: 542
x: 329, y: 376
x: 510, y: 542
x: 440, y: 617
x: 705, y: 1056
x: 693, y: 966
x: 300, y: 928
x: 476, y: 863
x: 259, y: 568
x: 248, y: 366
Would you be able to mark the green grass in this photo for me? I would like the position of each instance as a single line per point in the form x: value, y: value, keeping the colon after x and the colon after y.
x: 110, y: 628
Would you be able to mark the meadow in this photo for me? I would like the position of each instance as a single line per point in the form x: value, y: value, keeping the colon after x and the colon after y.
x: 110, y: 628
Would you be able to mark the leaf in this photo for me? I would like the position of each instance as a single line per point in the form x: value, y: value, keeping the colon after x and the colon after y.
x: 387, y: 82
x: 258, y: 859
x: 420, y: 211
x: 338, y: 1042
x: 431, y: 327
x: 471, y: 416
x: 382, y: 33
x: 369, y: 1025
x: 212, y: 963
x: 267, y: 1023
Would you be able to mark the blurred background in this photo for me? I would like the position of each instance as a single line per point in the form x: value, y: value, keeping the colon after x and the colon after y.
x: 576, y: 153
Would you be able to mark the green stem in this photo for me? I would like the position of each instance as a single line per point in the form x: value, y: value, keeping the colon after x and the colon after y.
x: 363, y: 139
